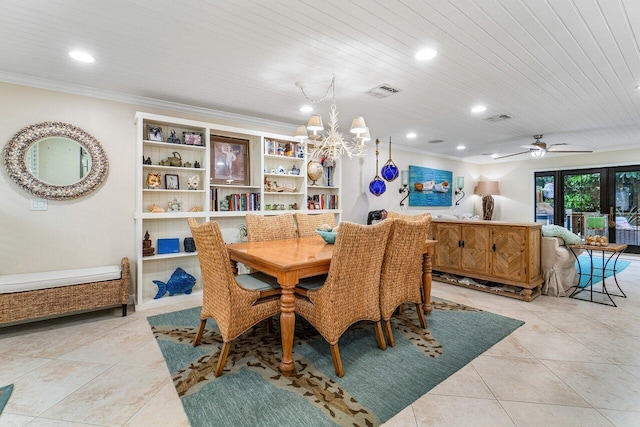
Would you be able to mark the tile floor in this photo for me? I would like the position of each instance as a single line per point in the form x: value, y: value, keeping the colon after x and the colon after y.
x: 573, y: 363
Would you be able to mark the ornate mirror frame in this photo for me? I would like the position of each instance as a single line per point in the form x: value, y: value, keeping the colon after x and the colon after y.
x: 15, y: 151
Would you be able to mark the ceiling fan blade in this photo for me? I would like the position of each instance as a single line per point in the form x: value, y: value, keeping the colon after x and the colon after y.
x: 510, y: 155
x: 566, y: 148
x: 531, y: 147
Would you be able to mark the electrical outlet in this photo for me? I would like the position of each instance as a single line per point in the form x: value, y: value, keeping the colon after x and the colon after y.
x: 38, y: 204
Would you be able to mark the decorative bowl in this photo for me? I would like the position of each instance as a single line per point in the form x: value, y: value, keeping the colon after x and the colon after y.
x: 328, y: 236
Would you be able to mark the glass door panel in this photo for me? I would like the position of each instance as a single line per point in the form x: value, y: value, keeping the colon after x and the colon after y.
x: 545, y: 199
x: 581, y: 199
x: 626, y: 224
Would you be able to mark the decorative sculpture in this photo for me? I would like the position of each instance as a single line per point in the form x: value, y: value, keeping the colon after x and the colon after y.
x: 193, y: 182
x: 389, y: 170
x: 179, y: 282
x: 377, y: 186
x: 147, y: 249
x: 154, y: 180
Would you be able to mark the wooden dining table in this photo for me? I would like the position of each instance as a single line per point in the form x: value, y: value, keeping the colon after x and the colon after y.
x: 289, y: 260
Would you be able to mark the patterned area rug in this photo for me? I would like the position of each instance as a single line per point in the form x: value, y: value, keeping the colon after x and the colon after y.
x: 376, y: 386
x: 5, y: 393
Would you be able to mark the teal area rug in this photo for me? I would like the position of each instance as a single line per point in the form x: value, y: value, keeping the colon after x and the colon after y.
x: 376, y: 386
x: 585, y: 265
x: 5, y: 393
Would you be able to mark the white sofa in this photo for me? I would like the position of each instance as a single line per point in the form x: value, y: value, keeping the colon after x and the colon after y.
x: 558, y: 267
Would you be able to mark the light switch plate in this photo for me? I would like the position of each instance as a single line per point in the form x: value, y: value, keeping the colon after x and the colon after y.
x: 38, y: 204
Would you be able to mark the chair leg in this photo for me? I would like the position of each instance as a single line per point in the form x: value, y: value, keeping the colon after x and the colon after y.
x: 269, y: 325
x: 198, y: 337
x: 387, y: 327
x: 337, y: 361
x: 382, y: 344
x: 423, y: 323
x: 222, y: 359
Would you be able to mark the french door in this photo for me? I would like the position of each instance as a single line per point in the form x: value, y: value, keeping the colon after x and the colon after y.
x: 570, y: 197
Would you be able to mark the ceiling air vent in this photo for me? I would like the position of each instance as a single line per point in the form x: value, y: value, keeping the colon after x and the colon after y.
x: 498, y: 118
x: 383, y: 91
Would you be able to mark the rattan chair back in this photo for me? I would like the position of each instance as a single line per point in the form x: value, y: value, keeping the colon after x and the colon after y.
x: 309, y: 223
x: 401, y: 273
x: 262, y: 228
x: 233, y: 307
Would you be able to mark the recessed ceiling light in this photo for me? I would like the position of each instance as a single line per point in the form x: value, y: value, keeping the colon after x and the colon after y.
x: 494, y: 155
x: 460, y: 147
x: 426, y: 54
x: 479, y: 109
x: 81, y: 56
x: 411, y: 135
x: 306, y: 108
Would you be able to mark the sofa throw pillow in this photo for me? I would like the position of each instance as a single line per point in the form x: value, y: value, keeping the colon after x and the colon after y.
x: 559, y: 231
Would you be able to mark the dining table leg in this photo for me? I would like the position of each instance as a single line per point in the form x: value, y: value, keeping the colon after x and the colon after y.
x: 287, y: 321
x: 426, y: 278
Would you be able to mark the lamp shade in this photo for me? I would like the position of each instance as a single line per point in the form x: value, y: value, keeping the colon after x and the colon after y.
x: 301, y: 133
x: 485, y: 188
x: 358, y: 126
x: 460, y: 182
x: 366, y: 136
x: 315, y: 123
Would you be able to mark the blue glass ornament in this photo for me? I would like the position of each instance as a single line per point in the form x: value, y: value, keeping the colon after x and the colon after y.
x: 390, y: 171
x: 377, y: 186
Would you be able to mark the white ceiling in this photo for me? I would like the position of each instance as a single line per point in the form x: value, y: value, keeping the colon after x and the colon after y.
x: 564, y: 68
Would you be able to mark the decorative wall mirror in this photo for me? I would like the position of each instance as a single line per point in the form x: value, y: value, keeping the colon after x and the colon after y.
x: 55, y: 161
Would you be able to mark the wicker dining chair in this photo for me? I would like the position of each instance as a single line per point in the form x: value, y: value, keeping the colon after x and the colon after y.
x: 235, y: 303
x: 401, y: 275
x: 309, y: 223
x: 352, y: 287
x: 262, y: 228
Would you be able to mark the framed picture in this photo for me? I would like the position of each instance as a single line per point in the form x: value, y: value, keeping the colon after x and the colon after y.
x: 192, y: 138
x: 155, y: 133
x: 171, y: 181
x: 229, y: 160
x: 430, y: 187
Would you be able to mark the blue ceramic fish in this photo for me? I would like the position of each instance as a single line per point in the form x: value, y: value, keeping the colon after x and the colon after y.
x: 179, y: 282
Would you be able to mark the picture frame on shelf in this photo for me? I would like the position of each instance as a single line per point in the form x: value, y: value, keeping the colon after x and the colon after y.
x: 171, y: 181
x: 154, y: 133
x: 192, y: 138
x: 229, y: 160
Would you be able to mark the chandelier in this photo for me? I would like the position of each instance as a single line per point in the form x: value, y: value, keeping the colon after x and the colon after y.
x: 330, y: 144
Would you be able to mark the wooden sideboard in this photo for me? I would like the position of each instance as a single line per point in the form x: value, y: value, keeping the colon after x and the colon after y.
x: 494, y: 251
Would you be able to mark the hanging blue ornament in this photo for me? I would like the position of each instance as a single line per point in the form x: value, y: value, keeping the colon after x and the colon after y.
x: 377, y: 186
x: 389, y: 170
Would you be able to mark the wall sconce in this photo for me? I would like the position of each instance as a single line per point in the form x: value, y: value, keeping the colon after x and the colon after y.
x: 404, y: 180
x: 459, y: 187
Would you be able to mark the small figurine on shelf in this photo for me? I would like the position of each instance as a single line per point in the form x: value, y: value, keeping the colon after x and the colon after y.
x: 174, y: 205
x: 147, y: 249
x: 173, y: 138
x: 193, y: 182
x: 189, y: 244
x: 154, y: 208
x: 186, y: 165
x: 196, y: 164
x: 195, y: 209
x: 146, y: 161
x: 154, y: 180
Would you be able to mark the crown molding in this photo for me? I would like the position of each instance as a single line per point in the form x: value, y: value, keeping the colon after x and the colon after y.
x: 142, y: 101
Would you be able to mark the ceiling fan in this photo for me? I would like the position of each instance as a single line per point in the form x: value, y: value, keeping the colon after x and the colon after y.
x: 539, y: 149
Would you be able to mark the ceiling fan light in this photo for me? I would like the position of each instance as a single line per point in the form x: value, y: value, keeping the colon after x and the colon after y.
x: 537, y: 153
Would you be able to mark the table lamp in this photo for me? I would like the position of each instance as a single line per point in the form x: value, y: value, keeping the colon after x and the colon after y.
x: 487, y: 189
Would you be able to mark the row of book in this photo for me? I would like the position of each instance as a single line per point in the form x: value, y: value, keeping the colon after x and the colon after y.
x: 322, y: 201
x: 281, y: 148
x: 235, y: 202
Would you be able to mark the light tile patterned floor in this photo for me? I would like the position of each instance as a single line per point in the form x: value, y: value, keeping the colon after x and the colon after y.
x: 573, y: 363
